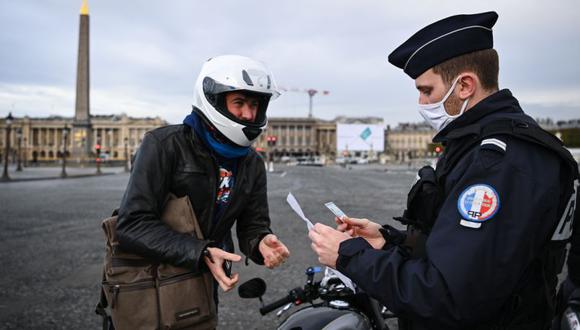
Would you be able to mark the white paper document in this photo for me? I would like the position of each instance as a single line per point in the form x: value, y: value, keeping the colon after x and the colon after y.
x: 334, y: 209
x: 296, y: 207
x: 333, y: 272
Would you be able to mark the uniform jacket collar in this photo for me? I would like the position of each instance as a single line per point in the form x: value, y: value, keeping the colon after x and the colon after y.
x: 497, y: 103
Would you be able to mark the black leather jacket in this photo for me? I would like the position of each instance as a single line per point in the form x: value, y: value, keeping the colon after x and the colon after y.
x: 174, y: 160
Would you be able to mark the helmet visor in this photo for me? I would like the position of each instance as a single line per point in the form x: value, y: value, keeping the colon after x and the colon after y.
x: 215, y: 93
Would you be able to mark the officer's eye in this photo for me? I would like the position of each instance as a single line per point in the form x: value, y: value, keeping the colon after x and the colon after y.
x: 426, y: 91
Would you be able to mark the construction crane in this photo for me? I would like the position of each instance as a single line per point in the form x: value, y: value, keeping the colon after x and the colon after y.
x: 310, y: 91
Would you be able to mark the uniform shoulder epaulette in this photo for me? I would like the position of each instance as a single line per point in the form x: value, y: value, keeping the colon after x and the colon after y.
x: 495, y: 144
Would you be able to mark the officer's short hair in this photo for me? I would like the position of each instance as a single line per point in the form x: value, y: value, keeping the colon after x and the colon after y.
x: 484, y: 63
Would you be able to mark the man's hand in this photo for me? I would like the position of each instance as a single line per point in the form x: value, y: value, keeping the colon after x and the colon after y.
x: 325, y: 242
x: 362, y: 228
x: 215, y: 265
x: 273, y: 251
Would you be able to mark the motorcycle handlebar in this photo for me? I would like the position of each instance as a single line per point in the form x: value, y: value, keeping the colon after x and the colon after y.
x: 278, y: 303
x: 290, y: 298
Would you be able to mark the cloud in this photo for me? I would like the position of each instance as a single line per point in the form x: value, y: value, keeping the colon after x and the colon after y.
x: 144, y: 58
x: 42, y: 101
x: 566, y: 97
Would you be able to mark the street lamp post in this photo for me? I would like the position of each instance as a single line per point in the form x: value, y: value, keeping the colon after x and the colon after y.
x: 25, y: 152
x: 110, y: 143
x: 9, y: 118
x: 65, y: 131
x: 126, y: 155
x: 98, y: 159
x: 19, y: 137
x: 83, y: 146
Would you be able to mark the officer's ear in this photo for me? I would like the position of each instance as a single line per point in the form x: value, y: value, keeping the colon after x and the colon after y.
x: 468, y: 84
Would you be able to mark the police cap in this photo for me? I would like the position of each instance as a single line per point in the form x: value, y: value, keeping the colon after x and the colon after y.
x: 442, y: 40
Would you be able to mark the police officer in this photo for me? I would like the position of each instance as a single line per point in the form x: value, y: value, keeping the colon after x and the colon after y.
x: 492, y: 220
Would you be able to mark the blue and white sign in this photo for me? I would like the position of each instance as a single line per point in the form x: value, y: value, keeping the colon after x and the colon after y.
x: 360, y: 137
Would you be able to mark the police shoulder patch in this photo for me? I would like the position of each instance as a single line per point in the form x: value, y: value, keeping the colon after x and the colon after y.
x: 478, y: 203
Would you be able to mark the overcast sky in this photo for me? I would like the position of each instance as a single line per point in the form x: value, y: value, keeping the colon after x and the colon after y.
x: 146, y: 54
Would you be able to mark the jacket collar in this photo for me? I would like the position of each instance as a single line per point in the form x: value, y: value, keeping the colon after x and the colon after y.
x: 499, y: 102
x: 202, y: 150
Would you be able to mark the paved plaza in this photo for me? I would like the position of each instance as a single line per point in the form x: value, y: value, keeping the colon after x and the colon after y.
x: 51, y: 244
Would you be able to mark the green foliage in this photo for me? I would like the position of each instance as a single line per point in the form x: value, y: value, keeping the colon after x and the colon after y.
x: 570, y: 136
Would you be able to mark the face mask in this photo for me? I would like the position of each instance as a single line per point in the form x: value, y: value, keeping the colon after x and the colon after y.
x: 435, y: 113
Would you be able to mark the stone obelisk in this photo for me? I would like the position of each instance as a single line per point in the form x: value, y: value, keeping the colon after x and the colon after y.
x: 82, y: 132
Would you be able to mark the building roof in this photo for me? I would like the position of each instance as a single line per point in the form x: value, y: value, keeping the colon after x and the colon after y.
x: 410, y: 127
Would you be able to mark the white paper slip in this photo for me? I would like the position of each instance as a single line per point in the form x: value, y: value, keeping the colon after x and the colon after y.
x: 334, y: 209
x: 296, y: 207
x: 333, y: 272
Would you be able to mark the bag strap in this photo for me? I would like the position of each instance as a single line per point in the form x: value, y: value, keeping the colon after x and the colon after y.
x: 194, y: 220
x: 101, y: 307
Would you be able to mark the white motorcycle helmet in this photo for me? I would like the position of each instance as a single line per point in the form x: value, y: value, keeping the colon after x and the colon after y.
x: 228, y: 73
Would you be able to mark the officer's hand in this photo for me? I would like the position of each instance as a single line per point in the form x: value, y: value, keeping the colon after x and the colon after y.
x: 215, y: 265
x: 325, y: 242
x: 273, y: 251
x: 362, y: 228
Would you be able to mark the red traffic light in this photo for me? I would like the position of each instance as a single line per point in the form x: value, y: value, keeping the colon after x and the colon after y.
x: 271, y: 139
x: 438, y: 149
x: 97, y: 146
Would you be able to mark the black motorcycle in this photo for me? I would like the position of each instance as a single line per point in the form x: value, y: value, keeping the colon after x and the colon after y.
x: 331, y: 304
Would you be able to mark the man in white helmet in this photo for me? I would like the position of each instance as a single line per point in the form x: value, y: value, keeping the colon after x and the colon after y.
x: 208, y: 158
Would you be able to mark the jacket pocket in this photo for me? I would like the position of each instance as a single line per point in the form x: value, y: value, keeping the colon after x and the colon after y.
x: 184, y: 178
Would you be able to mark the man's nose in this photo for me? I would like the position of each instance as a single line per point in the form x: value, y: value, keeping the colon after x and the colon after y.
x: 423, y: 99
x: 247, y: 113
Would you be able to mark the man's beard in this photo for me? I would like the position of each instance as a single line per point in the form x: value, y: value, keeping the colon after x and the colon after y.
x: 453, y: 105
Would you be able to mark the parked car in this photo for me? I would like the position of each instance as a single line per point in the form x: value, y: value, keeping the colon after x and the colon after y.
x: 309, y: 161
x: 340, y: 160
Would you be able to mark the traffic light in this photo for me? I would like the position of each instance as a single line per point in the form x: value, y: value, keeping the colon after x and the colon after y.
x: 271, y: 140
x: 438, y: 149
x: 98, y: 150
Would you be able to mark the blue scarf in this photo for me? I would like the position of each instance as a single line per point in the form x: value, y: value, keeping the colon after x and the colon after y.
x: 223, y: 149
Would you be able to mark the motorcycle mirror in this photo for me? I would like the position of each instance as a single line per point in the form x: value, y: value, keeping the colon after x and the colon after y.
x: 254, y: 288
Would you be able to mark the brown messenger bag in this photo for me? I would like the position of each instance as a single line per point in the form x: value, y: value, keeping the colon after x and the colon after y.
x: 142, y: 294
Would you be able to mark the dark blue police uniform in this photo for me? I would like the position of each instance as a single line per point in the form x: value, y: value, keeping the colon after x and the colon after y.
x: 489, y: 260
x: 469, y: 273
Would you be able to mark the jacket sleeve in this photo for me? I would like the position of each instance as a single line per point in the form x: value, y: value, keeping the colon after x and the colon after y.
x: 254, y: 221
x: 467, y: 273
x: 140, y: 228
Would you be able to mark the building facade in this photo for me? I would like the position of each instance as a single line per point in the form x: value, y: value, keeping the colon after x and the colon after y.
x: 42, y: 139
x: 295, y: 137
x: 299, y: 137
x: 409, y: 140
x: 306, y: 137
